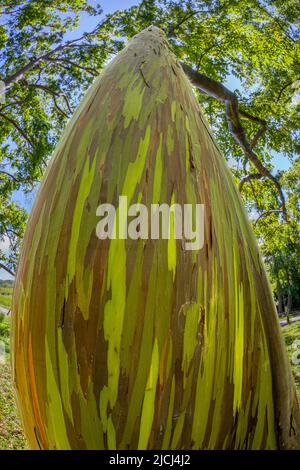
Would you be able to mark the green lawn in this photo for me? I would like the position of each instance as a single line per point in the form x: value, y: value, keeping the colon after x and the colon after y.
x: 11, y: 434
x: 5, y: 301
x: 291, y: 335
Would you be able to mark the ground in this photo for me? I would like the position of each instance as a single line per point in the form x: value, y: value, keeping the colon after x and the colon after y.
x: 11, y: 435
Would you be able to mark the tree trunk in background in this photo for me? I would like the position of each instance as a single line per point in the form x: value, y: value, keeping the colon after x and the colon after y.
x: 280, y: 298
x: 289, y: 297
x: 135, y: 344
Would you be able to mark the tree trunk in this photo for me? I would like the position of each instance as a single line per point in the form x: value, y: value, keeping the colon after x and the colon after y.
x: 135, y: 344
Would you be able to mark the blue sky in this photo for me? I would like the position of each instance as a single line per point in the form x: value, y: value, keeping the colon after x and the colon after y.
x: 87, y: 23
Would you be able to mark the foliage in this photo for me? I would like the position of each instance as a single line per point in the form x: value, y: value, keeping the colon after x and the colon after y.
x: 291, y: 334
x: 5, y: 295
x: 11, y: 434
x: 41, y: 93
x: 155, y: 313
x: 12, y: 225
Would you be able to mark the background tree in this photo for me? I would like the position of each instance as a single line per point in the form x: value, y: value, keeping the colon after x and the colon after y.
x: 45, y: 75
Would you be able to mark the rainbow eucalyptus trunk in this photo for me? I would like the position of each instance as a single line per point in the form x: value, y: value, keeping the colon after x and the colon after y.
x: 126, y: 344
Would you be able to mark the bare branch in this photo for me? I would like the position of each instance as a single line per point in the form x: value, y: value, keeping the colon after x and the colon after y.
x: 220, y: 92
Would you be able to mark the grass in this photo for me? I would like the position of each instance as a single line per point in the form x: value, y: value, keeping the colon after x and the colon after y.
x: 11, y: 435
x: 5, y: 297
x: 291, y: 334
x: 6, y: 290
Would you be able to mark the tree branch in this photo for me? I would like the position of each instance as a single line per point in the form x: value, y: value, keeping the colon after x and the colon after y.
x: 220, y: 92
x: 2, y: 266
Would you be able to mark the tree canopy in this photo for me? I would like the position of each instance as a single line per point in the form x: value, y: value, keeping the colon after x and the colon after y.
x: 45, y: 74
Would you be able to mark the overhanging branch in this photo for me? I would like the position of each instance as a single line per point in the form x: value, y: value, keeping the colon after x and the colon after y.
x: 265, y: 213
x: 216, y: 90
